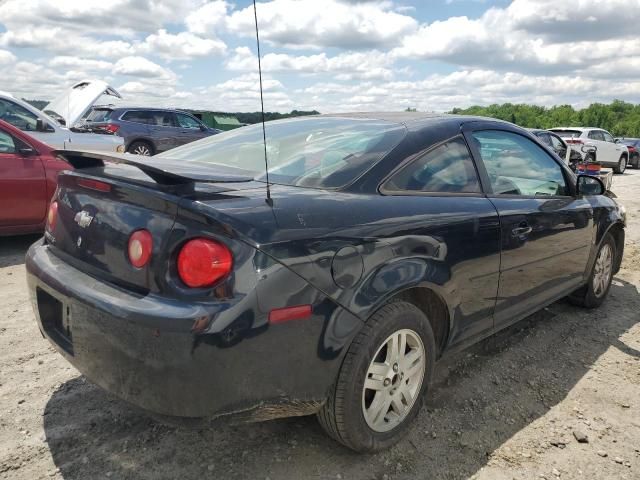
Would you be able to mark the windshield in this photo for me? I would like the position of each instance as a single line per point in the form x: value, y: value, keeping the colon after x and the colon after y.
x: 316, y: 152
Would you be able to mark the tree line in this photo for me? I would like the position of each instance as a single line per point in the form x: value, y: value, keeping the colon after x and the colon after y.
x: 620, y: 118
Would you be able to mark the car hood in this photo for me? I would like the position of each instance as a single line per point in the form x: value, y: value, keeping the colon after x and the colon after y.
x: 73, y: 103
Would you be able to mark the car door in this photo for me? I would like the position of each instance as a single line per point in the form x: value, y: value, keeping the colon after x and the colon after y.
x: 190, y: 128
x: 164, y: 130
x: 616, y: 150
x: 449, y: 221
x: 23, y: 189
x: 603, y: 152
x: 546, y: 232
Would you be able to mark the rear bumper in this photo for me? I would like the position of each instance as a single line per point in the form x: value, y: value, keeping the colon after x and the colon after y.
x: 187, y: 359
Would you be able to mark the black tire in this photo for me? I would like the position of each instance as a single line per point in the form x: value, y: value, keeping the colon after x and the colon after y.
x: 622, y: 165
x: 635, y: 162
x: 342, y: 415
x: 140, y: 146
x: 585, y: 296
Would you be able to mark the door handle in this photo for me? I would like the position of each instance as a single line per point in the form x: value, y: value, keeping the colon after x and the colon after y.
x: 522, y: 230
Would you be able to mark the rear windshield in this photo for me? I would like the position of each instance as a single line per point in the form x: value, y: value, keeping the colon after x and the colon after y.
x: 309, y: 152
x: 566, y: 133
x: 99, y: 115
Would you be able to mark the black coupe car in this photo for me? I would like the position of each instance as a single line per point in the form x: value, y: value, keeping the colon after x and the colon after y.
x: 191, y: 287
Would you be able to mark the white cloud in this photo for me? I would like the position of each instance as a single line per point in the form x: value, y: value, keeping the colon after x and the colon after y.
x: 180, y: 46
x: 136, y: 66
x: 347, y: 66
x: 66, y: 61
x: 531, y: 36
x: 6, y: 57
x: 326, y: 23
x: 208, y: 19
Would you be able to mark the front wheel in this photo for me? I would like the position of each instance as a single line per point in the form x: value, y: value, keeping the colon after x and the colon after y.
x: 595, y: 291
x: 622, y: 165
x: 383, y: 379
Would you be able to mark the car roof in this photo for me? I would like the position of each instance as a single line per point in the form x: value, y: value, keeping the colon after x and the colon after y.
x: 415, y: 120
x: 152, y: 109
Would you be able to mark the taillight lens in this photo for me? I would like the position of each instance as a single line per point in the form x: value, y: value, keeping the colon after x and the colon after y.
x: 140, y: 246
x: 52, y: 216
x: 203, y: 262
x: 111, y: 127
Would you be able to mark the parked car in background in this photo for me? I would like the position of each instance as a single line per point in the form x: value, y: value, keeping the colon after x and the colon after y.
x: 28, y: 178
x: 558, y: 145
x: 633, y: 145
x: 387, y: 241
x: 608, y: 152
x: 53, y: 126
x: 148, y: 131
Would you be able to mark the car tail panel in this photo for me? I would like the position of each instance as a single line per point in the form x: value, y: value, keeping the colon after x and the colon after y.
x: 95, y: 220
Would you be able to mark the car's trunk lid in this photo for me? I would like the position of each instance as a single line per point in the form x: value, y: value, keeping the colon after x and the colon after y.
x: 74, y: 102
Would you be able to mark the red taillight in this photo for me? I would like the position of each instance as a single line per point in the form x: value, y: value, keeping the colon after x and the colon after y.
x: 111, y: 127
x: 282, y: 315
x: 52, y: 216
x: 94, y: 184
x: 203, y: 262
x: 631, y: 149
x: 573, y: 141
x: 140, y: 246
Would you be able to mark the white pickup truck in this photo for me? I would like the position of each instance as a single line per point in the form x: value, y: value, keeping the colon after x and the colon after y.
x: 53, y: 126
x: 607, y: 152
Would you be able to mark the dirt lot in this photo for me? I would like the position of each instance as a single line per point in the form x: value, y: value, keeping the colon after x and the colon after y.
x: 509, y: 408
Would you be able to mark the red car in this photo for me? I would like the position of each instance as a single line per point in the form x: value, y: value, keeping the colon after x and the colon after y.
x: 28, y: 176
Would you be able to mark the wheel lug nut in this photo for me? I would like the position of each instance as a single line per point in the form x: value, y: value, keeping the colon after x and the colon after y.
x: 386, y: 382
x: 395, y: 367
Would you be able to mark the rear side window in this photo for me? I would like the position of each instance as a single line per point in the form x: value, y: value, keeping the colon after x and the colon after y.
x: 447, y: 168
x: 596, y: 135
x: 518, y: 166
x: 557, y: 143
x: 138, y: 116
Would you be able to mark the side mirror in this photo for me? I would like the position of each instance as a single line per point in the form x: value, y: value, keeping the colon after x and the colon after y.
x: 26, y: 151
x: 41, y: 125
x: 617, y: 140
x: 590, y: 185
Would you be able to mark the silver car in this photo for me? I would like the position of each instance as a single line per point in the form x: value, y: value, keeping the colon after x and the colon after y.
x: 53, y: 126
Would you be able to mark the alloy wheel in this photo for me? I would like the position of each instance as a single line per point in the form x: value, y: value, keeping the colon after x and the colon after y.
x: 393, y: 380
x: 142, y: 150
x: 622, y: 165
x: 602, y: 270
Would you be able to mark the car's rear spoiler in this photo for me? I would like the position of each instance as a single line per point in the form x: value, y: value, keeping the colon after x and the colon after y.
x: 162, y: 171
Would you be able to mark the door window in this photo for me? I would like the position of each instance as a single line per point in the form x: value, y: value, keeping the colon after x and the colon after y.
x: 545, y: 138
x: 185, y: 121
x: 518, y: 166
x: 139, y: 116
x: 7, y: 144
x: 447, y: 168
x: 163, y: 119
x: 607, y: 137
x: 557, y: 143
x: 17, y: 116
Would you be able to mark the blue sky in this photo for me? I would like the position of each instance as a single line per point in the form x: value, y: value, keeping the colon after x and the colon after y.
x: 329, y: 55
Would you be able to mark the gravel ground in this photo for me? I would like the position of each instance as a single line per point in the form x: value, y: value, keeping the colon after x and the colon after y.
x: 555, y: 396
